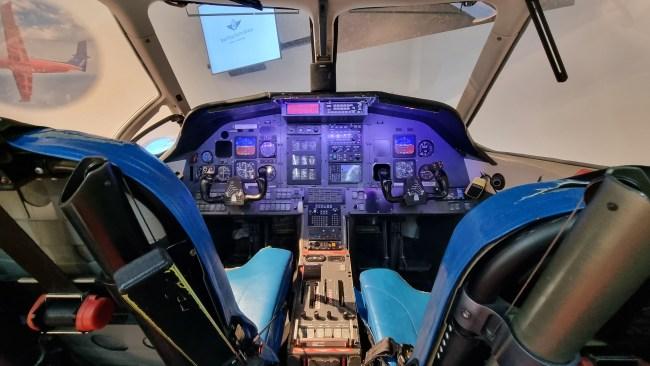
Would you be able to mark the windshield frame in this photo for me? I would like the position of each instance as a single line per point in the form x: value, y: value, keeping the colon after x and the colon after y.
x: 134, y: 19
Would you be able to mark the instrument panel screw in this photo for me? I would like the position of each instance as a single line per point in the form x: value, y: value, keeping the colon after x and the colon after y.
x: 466, y: 314
x: 612, y: 206
x: 38, y: 170
x: 4, y: 180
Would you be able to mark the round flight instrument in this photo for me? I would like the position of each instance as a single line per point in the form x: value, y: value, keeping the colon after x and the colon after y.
x: 268, y: 149
x: 404, y: 169
x: 224, y: 172
x: 246, y: 169
x: 425, y: 148
x: 206, y: 157
x: 425, y: 173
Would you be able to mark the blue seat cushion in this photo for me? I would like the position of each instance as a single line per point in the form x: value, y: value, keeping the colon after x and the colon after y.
x: 395, y: 309
x: 260, y: 287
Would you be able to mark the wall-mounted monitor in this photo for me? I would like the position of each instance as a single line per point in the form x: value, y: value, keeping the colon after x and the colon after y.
x: 236, y: 37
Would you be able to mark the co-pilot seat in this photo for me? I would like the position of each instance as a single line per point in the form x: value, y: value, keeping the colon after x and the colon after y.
x: 396, y: 310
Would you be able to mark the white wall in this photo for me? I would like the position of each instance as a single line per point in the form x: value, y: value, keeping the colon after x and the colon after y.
x: 435, y: 66
x: 600, y: 115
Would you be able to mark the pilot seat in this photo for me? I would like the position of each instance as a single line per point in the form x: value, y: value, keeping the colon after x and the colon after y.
x: 257, y: 290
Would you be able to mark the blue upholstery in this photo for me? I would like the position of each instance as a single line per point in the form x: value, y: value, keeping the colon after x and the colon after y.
x: 395, y: 309
x: 260, y: 287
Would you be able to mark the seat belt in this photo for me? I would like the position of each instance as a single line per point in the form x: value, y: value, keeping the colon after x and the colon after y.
x: 20, y: 246
x: 387, y: 348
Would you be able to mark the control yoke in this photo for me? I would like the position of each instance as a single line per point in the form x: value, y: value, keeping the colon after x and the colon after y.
x: 235, y: 194
x: 414, y: 192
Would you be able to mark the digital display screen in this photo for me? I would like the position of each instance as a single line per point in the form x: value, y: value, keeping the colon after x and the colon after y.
x: 245, y: 146
x: 223, y: 149
x: 304, y: 145
x: 297, y: 159
x: 246, y: 170
x: 350, y: 173
x: 303, y: 174
x: 404, y: 145
x: 301, y: 109
x: 235, y: 40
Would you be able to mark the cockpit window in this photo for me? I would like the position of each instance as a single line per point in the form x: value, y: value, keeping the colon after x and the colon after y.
x: 68, y: 65
x: 425, y: 51
x: 226, y: 52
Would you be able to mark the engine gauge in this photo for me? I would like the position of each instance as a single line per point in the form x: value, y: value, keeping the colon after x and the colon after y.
x: 425, y: 173
x: 404, y: 169
x: 268, y: 149
x: 246, y: 170
x: 224, y: 172
x: 425, y: 148
x: 206, y: 157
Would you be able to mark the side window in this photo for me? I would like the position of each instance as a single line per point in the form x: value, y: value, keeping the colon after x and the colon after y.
x: 159, y: 133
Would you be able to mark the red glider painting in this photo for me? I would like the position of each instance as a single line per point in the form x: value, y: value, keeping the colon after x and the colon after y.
x: 24, y: 67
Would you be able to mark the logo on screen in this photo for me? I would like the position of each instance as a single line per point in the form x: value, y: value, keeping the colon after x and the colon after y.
x: 234, y: 24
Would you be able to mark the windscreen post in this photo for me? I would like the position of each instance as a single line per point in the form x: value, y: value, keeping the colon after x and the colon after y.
x: 323, y: 76
x: 323, y: 70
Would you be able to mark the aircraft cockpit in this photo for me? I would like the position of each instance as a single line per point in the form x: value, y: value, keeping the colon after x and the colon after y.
x: 345, y: 181
x: 316, y: 225
x: 325, y: 158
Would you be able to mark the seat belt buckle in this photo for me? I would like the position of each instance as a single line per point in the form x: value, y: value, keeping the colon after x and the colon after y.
x: 73, y: 313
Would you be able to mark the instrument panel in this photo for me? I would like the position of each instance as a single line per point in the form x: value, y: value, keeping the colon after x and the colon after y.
x: 333, y: 142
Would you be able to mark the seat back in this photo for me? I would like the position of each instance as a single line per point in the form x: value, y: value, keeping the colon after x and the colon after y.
x: 482, y: 227
x: 155, y: 177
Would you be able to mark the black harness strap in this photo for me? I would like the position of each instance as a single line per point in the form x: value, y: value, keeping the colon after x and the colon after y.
x: 387, y: 348
x: 19, y: 246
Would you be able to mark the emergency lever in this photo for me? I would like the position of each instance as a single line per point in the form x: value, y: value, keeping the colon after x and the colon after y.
x: 235, y: 194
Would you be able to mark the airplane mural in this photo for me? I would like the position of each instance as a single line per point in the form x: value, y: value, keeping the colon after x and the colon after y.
x: 22, y: 66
